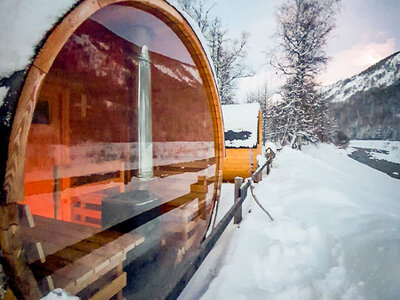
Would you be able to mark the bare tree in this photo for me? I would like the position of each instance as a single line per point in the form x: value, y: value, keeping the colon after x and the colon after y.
x: 227, y: 54
x: 198, y: 10
x: 303, y: 29
x: 228, y: 58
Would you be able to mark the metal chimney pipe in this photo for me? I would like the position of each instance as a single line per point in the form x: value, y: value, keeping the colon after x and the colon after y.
x: 145, y: 137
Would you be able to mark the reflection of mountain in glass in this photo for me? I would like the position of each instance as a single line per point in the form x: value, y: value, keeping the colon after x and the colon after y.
x: 105, y: 54
x: 109, y: 62
x: 141, y: 28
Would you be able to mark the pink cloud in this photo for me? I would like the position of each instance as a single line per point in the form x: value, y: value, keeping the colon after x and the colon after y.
x: 352, y: 61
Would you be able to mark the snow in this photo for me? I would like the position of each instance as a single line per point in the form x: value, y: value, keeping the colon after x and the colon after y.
x: 387, y: 150
x: 336, y: 234
x: 167, y: 71
x: 59, y: 294
x: 23, y: 25
x: 271, y: 145
x: 275, y: 98
x: 193, y: 72
x: 241, y: 118
x: 177, y: 75
x: 3, y: 94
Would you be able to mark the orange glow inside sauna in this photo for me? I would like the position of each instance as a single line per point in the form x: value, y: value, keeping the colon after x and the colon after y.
x: 82, y: 178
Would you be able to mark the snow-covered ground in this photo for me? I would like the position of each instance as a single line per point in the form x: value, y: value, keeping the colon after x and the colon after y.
x: 336, y: 234
x: 387, y: 150
x: 59, y: 294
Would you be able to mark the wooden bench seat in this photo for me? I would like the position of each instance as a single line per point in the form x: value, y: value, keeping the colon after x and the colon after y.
x: 189, y: 210
x: 76, y: 257
x: 84, y: 260
x: 84, y: 186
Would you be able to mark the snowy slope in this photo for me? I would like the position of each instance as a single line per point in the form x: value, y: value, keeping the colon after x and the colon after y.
x: 382, y: 74
x: 241, y: 125
x: 366, y: 106
x: 336, y: 235
x: 99, y: 50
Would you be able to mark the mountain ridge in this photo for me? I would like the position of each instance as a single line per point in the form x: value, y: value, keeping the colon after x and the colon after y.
x: 371, y: 77
x: 367, y: 105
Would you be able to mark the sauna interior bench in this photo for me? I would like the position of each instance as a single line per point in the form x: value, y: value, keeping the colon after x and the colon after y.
x: 82, y: 260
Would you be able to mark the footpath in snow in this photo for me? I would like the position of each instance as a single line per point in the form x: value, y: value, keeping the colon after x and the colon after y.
x: 336, y: 234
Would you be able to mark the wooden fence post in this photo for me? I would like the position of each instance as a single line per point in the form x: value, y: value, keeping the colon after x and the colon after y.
x: 238, y: 216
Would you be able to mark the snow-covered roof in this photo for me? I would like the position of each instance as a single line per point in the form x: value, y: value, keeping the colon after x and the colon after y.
x: 24, y: 24
x: 241, y: 125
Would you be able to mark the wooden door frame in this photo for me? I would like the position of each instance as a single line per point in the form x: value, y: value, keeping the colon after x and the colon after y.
x: 21, y: 278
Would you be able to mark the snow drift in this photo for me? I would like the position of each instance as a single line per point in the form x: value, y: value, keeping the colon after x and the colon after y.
x: 336, y: 234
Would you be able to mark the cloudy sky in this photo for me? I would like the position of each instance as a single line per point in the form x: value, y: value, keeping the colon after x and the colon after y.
x: 366, y: 31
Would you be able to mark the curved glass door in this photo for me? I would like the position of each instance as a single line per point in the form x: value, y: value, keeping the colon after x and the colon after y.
x: 120, y: 166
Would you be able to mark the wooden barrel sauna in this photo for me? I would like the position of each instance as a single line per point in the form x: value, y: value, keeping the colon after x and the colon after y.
x: 114, y: 158
x: 243, y: 139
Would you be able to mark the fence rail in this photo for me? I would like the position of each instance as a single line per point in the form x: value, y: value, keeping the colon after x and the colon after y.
x: 186, y: 270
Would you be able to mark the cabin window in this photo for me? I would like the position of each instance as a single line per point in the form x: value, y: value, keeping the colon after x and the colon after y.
x: 123, y: 174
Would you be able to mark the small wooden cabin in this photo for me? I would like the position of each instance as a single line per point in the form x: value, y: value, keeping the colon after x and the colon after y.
x: 243, y: 139
x: 111, y: 149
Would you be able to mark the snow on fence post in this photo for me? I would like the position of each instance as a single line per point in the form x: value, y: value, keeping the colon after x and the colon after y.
x: 238, y: 215
x: 257, y: 175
